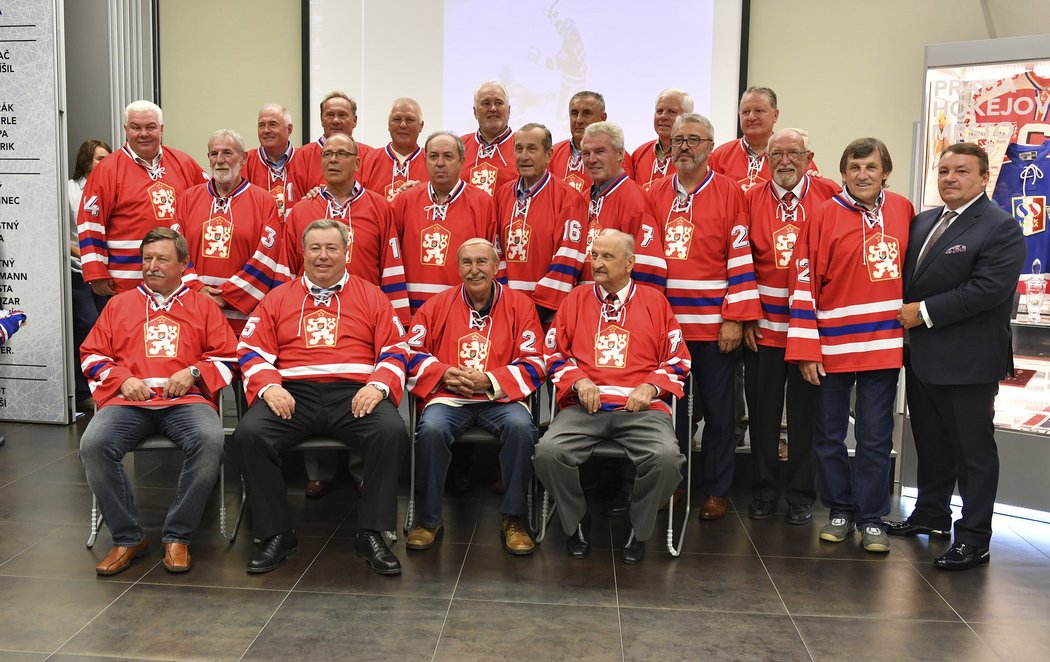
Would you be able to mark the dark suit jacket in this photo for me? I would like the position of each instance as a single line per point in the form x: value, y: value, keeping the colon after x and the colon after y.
x: 968, y: 281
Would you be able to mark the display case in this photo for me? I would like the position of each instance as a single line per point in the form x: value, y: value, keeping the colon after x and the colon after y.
x: 997, y: 93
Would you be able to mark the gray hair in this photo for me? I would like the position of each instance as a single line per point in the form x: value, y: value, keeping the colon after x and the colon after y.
x: 492, y: 83
x: 611, y: 129
x: 681, y: 95
x: 764, y: 91
x: 460, y: 147
x: 625, y: 239
x: 696, y: 118
x: 227, y: 133
x: 548, y: 140
x: 285, y: 115
x: 478, y: 241
x: 327, y: 224
x: 801, y: 133
x: 588, y: 94
x: 144, y: 106
x: 409, y: 100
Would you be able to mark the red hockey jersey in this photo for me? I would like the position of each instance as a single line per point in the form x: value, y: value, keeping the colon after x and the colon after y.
x: 489, y: 166
x: 383, y: 173
x: 847, y: 287
x: 135, y: 336
x: 374, y: 252
x: 349, y: 335
x: 541, y: 237
x: 647, y: 168
x: 567, y: 165
x: 775, y: 227
x: 732, y: 160
x: 505, y: 344
x: 122, y: 201
x: 311, y: 156
x: 432, y: 233
x: 640, y: 342
x: 624, y: 206
x: 710, y: 276
x: 235, y: 245
x: 287, y: 184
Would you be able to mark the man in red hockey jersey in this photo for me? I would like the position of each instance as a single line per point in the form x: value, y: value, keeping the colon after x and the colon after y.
x: 613, y: 353
x: 652, y: 160
x: 131, y: 191
x: 540, y: 225
x: 322, y: 355
x: 233, y: 232
x: 477, y: 361
x: 778, y: 211
x: 277, y: 166
x: 154, y: 361
x: 566, y: 162
x: 338, y: 115
x: 433, y: 218
x: 846, y: 291
x: 402, y: 162
x: 489, y: 158
x: 711, y: 288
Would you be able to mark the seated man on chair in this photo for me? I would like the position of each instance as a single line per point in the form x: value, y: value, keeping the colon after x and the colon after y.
x: 323, y: 355
x: 153, y: 361
x: 613, y: 351
x: 478, y: 361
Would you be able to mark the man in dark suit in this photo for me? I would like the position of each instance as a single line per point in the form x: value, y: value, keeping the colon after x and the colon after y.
x: 960, y: 274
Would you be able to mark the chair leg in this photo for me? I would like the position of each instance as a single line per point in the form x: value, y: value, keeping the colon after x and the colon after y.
x: 96, y: 521
x: 547, y: 511
x: 410, y: 515
x: 676, y: 551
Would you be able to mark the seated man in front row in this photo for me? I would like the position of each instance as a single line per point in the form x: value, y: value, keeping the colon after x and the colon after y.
x: 154, y: 360
x: 613, y: 350
x: 478, y: 360
x: 323, y: 355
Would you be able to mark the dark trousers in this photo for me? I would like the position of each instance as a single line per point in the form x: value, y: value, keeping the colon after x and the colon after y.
x: 954, y: 443
x: 320, y: 410
x: 767, y: 373
x: 85, y: 314
x: 712, y: 374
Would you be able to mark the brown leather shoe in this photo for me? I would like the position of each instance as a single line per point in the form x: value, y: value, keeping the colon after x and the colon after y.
x: 177, y: 557
x: 119, y: 558
x: 315, y: 489
x: 421, y: 537
x: 714, y: 508
x: 516, y: 540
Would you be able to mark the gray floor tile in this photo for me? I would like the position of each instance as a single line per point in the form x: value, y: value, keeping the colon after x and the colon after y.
x: 195, y: 623
x: 41, y: 614
x: 1036, y: 534
x: 1007, y: 547
x: 774, y: 537
x: 870, y: 638
x: 497, y: 630
x: 357, y: 627
x: 1015, y: 641
x: 17, y: 536
x: 995, y: 593
x: 663, y: 634
x: 63, y: 555
x: 23, y: 656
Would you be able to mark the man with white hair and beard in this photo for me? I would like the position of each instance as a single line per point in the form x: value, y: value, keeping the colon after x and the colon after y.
x: 778, y: 210
x: 233, y: 231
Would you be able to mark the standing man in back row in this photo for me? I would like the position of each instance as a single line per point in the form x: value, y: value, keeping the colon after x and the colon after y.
x: 488, y: 162
x: 652, y: 161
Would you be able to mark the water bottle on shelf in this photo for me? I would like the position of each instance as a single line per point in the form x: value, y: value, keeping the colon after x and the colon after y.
x: 1035, y: 289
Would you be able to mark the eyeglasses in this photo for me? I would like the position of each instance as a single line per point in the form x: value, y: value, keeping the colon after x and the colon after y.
x: 692, y: 141
x: 341, y: 153
x: 793, y: 155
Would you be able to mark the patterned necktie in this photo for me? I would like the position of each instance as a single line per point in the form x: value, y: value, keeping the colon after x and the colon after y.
x: 938, y: 230
x: 789, y: 199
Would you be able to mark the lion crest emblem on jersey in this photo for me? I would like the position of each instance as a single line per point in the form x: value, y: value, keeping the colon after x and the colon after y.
x: 394, y: 188
x: 277, y: 191
x: 433, y: 245
x: 217, y: 235
x: 483, y: 176
x: 162, y: 197
x: 349, y: 244
x: 610, y: 347
x: 882, y: 257
x: 473, y: 352
x: 593, y: 229
x: 1030, y: 213
x: 518, y: 235
x: 161, y: 335
x: 320, y: 329
x: 678, y: 235
x: 576, y: 182
x: 784, y: 243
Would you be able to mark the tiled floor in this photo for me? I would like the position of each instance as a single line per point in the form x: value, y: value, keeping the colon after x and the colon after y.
x: 743, y: 590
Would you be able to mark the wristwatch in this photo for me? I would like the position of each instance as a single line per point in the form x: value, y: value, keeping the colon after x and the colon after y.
x: 918, y: 313
x: 381, y: 388
x: 195, y: 372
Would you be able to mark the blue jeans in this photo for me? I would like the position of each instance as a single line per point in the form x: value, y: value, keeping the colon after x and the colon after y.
x: 440, y: 424
x: 117, y: 429
x: 863, y: 494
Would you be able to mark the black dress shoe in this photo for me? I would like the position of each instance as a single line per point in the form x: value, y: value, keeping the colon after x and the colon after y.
x: 578, y: 545
x: 961, y: 556
x: 761, y: 509
x: 371, y: 547
x: 799, y: 513
x: 272, y: 551
x: 633, y: 549
x: 909, y: 528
